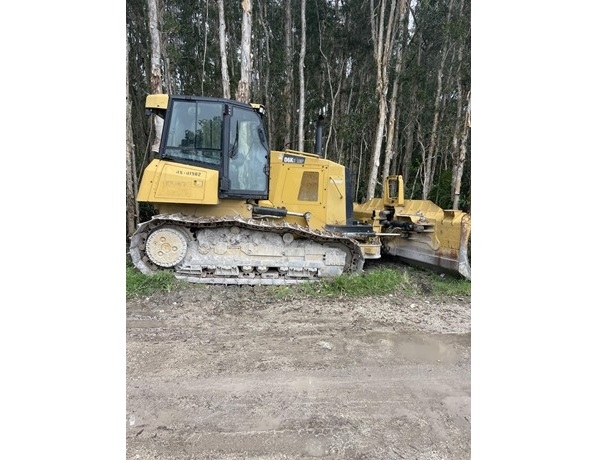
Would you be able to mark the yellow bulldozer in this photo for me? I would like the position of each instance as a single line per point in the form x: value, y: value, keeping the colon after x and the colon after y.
x: 231, y: 211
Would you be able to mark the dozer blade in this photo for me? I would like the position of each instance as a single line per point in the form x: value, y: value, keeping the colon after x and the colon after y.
x: 438, y: 244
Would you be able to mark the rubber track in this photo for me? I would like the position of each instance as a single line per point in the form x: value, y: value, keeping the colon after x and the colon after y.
x: 142, y: 263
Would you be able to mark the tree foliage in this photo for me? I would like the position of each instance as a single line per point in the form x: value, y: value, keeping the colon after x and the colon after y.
x: 431, y: 91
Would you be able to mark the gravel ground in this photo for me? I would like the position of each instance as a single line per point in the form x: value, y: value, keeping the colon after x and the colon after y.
x: 215, y: 372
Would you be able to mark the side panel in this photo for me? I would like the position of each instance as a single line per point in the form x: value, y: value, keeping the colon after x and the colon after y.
x: 336, y: 206
x: 167, y: 182
x: 308, y: 184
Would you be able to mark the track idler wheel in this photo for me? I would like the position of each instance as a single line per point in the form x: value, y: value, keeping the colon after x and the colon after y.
x: 167, y: 246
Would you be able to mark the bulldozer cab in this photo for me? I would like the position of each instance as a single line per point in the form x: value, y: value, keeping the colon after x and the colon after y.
x: 222, y: 135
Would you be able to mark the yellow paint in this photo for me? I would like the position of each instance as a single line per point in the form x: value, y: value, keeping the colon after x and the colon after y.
x: 157, y: 101
x: 292, y: 187
x: 168, y: 182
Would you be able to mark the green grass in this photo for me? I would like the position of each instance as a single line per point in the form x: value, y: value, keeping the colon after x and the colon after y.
x: 138, y: 284
x: 376, y: 282
x: 379, y: 281
x: 450, y: 286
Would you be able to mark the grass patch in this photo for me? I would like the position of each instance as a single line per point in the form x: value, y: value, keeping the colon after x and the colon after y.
x: 378, y: 281
x: 375, y: 282
x: 139, y: 284
x: 447, y: 286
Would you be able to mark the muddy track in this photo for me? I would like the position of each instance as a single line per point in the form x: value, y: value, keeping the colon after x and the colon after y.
x: 223, y: 259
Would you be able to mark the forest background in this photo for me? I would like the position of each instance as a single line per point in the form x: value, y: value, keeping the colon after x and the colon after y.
x: 390, y: 79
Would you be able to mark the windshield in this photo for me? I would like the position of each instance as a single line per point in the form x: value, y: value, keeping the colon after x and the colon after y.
x: 195, y: 132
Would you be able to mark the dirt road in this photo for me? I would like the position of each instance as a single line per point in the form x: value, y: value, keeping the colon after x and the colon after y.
x: 235, y: 373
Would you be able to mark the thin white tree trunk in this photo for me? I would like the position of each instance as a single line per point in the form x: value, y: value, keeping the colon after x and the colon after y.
x: 243, y: 88
x: 403, y: 8
x: 302, y: 78
x: 334, y: 96
x: 459, y: 165
x: 262, y: 76
x: 204, y: 52
x: 383, y: 41
x: 390, y: 142
x: 431, y: 158
x: 156, y: 75
x: 289, y: 128
x: 223, y: 47
x: 461, y: 128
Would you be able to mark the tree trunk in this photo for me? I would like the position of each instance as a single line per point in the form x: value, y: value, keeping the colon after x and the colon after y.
x: 409, y: 140
x: 205, y: 50
x: 288, y: 88
x: 431, y: 157
x: 302, y: 78
x: 458, y: 169
x: 462, y: 125
x: 383, y: 42
x: 263, y: 75
x: 131, y: 204
x: 333, y: 96
x: 167, y: 83
x: 392, y: 141
x: 243, y: 88
x: 223, y: 48
x: 349, y: 157
x: 156, y: 84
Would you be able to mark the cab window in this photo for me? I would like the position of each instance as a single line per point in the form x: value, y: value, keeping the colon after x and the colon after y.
x: 248, y: 152
x: 195, y: 132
